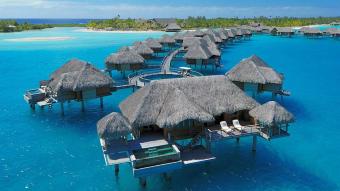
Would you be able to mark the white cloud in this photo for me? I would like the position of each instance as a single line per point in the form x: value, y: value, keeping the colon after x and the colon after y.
x: 70, y: 9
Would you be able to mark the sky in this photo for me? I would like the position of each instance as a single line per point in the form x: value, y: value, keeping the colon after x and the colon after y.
x: 162, y: 8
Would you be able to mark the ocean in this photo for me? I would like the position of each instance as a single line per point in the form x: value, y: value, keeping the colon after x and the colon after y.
x: 42, y: 150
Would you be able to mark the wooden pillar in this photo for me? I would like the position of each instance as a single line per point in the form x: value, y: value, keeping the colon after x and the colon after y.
x: 82, y: 106
x: 116, y: 169
x: 101, y: 102
x: 32, y: 105
x: 254, y: 142
x: 142, y: 181
x: 62, y: 108
x: 238, y: 139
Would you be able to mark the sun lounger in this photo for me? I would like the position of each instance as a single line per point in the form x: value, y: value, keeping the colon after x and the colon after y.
x: 237, y: 125
x: 224, y: 127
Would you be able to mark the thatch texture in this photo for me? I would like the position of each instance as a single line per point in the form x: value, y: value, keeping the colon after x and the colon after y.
x: 230, y: 34
x: 254, y: 70
x: 198, y: 52
x: 197, y: 33
x: 77, y: 75
x: 166, y: 103
x: 153, y: 44
x: 167, y: 39
x: 142, y: 49
x: 113, y: 126
x: 172, y: 27
x: 124, y: 57
x: 271, y: 113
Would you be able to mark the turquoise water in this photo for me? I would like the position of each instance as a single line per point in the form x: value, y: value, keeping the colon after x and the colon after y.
x: 43, y: 151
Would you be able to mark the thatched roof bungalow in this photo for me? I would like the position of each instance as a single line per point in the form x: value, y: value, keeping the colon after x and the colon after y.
x: 173, y: 27
x: 143, y: 49
x: 255, y: 76
x: 272, y: 118
x: 124, y: 60
x: 78, y: 80
x: 282, y: 31
x: 153, y: 44
x: 167, y: 41
x: 113, y: 126
x: 230, y: 34
x: 312, y: 32
x: 198, y: 55
x: 196, y: 102
x: 198, y: 33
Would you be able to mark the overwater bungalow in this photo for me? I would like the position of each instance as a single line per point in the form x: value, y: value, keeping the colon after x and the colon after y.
x: 198, y: 55
x: 222, y: 35
x: 173, y: 27
x: 167, y: 41
x: 282, y: 31
x: 79, y: 81
x: 172, y: 123
x: 335, y: 23
x: 154, y: 44
x: 143, y: 49
x: 273, y: 119
x: 230, y: 34
x: 312, y: 32
x: 239, y: 32
x: 124, y: 60
x: 253, y: 75
x: 197, y: 33
x: 335, y: 33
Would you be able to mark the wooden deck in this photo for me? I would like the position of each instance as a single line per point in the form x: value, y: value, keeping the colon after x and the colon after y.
x: 215, y: 133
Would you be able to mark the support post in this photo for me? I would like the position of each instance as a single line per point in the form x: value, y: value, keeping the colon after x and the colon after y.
x: 238, y: 139
x: 116, y: 169
x: 82, y: 106
x: 142, y: 181
x: 62, y: 108
x: 32, y: 105
x: 101, y: 102
x: 254, y: 143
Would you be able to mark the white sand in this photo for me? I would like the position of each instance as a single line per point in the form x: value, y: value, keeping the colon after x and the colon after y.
x: 39, y: 39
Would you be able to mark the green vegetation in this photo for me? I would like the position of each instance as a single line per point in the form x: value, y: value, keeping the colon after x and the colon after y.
x: 124, y: 24
x: 202, y: 22
x: 13, y: 26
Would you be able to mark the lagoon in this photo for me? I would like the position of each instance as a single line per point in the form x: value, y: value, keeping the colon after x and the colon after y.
x: 43, y: 151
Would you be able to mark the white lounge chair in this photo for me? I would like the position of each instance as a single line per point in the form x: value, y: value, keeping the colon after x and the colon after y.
x: 237, y: 125
x: 224, y: 127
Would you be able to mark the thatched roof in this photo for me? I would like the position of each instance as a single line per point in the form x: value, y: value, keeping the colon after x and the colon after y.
x: 312, y: 31
x: 113, y: 126
x: 221, y: 34
x: 271, y: 113
x: 197, y: 33
x: 167, y: 39
x: 230, y: 34
x: 198, y: 52
x: 193, y: 41
x: 168, y: 102
x: 284, y: 30
x: 153, y: 43
x: 172, y: 27
x: 254, y: 70
x: 77, y: 75
x: 125, y: 56
x: 214, y: 50
x: 142, y: 49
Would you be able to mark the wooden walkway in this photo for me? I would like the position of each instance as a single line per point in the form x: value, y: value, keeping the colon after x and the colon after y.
x: 166, y: 63
x: 135, y: 80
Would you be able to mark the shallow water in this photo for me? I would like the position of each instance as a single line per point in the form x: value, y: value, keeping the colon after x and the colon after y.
x: 43, y: 151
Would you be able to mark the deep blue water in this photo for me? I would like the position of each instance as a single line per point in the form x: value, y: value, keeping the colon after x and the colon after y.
x: 43, y: 151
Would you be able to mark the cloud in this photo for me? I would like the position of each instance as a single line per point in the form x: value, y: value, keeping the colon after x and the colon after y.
x: 74, y: 9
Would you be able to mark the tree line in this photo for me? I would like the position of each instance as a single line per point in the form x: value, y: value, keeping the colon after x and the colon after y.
x: 202, y: 22
x: 13, y: 26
